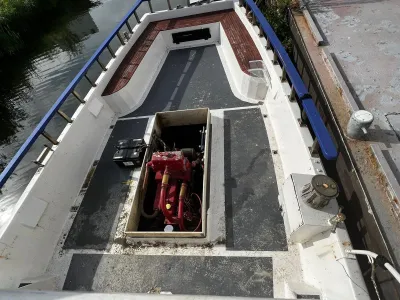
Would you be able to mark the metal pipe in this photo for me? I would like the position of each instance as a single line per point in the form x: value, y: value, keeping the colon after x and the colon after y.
x: 90, y: 81
x: 203, y: 138
x: 253, y: 19
x: 315, y: 147
x: 268, y: 43
x: 292, y: 96
x: 182, y: 196
x: 48, y: 147
x: 120, y: 38
x: 101, y: 65
x: 128, y: 26
x: 136, y: 17
x: 150, y: 6
x: 284, y: 74
x: 304, y: 115
x: 50, y: 138
x: 42, y: 156
x: 111, y: 51
x: 77, y: 96
x: 275, y: 59
x: 261, y: 33
x: 162, y: 205
x: 169, y: 4
x: 64, y: 116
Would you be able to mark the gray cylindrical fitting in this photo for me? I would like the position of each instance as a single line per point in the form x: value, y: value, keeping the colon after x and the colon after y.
x: 319, y: 191
x: 358, y: 124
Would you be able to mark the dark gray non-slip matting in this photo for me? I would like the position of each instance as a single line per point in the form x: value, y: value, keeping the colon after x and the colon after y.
x: 196, y: 275
x: 253, y: 217
x: 190, y: 78
x: 93, y: 224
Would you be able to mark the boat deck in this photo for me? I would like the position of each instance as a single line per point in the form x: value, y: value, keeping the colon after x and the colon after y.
x: 239, y: 38
x: 93, y: 226
x: 247, y: 229
x: 190, y: 78
x: 194, y: 275
x: 83, y: 226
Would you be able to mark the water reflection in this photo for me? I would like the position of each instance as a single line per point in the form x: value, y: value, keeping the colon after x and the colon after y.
x: 33, y: 79
x: 20, y: 68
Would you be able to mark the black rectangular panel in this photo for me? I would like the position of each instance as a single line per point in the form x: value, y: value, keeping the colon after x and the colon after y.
x: 192, y: 35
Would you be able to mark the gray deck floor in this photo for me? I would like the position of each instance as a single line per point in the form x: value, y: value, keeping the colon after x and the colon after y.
x: 194, y: 275
x: 253, y: 218
x: 101, y: 205
x: 250, y: 198
x: 190, y: 78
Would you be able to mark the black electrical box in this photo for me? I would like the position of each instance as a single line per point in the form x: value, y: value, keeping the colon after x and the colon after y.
x: 130, y: 152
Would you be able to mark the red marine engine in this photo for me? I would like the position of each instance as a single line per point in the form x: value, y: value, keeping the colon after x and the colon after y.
x: 173, y: 172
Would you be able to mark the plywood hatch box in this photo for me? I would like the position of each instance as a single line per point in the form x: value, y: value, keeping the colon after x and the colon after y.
x: 174, y: 130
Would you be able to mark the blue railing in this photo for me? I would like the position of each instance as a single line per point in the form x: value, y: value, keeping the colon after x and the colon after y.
x: 324, y: 140
x: 289, y: 71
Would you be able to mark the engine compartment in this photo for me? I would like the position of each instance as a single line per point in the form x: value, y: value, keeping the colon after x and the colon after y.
x: 173, y: 181
x: 170, y: 197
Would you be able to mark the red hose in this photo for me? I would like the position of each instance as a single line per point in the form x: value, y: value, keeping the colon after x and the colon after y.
x: 198, y: 197
x: 142, y: 196
x: 146, y: 177
x: 181, y: 221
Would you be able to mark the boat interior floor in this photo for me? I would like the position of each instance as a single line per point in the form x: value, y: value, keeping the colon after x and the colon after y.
x: 190, y: 78
x: 245, y: 235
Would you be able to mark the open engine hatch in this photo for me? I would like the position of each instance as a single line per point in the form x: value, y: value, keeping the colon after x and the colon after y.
x: 170, y: 199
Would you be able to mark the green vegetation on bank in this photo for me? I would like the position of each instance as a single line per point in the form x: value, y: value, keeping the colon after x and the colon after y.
x: 22, y: 21
x: 276, y: 12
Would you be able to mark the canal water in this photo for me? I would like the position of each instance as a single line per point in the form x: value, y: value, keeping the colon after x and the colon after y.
x: 32, y: 83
